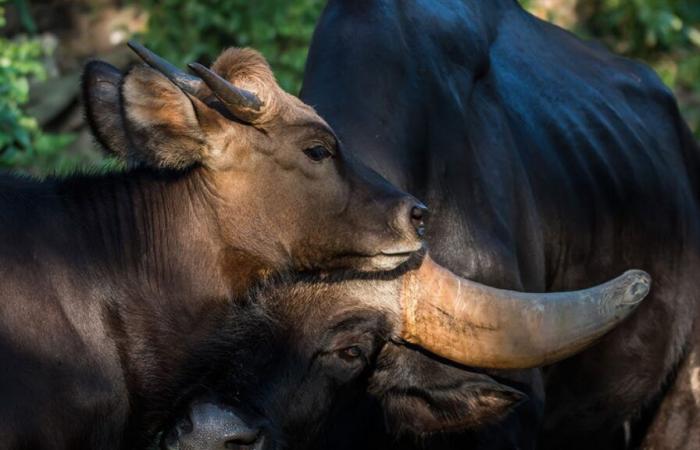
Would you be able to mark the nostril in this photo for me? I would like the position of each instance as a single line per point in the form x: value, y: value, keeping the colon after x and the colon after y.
x: 418, y: 214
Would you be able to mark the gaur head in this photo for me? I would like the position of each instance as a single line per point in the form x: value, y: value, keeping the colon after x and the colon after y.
x: 294, y: 357
x: 278, y: 180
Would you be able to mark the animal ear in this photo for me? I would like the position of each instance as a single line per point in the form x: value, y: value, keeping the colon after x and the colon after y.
x: 167, y: 127
x: 101, y: 83
x: 459, y: 408
x: 247, y: 69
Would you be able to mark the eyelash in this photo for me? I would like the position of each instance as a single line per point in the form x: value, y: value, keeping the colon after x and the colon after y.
x: 349, y: 354
x: 318, y: 153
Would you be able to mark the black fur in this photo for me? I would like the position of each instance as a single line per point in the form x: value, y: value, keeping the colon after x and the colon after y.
x: 548, y: 163
x: 308, y: 397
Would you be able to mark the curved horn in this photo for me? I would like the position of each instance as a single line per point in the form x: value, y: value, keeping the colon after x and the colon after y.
x: 183, y: 80
x: 241, y: 103
x: 480, y: 326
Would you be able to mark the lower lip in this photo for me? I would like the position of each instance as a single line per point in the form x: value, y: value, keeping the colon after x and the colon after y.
x: 393, y: 258
x: 396, y: 255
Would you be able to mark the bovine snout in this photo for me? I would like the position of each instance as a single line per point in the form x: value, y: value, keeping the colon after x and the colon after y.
x: 408, y: 221
x: 213, y: 427
x: 380, y: 226
x: 403, y: 218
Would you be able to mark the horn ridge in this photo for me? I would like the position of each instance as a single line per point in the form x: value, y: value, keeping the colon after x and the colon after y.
x: 481, y: 326
x: 188, y: 83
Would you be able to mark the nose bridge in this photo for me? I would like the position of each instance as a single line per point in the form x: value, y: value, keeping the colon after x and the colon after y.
x: 401, y: 211
x: 364, y: 178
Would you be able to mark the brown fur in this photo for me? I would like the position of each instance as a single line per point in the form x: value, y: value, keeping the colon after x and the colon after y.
x: 106, y: 280
x: 161, y: 121
x: 676, y: 425
x: 249, y: 165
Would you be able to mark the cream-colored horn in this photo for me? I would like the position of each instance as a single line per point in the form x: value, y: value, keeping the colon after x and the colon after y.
x: 480, y: 326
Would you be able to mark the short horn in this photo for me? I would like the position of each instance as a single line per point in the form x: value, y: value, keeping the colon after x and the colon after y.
x: 481, y: 326
x: 181, y: 79
x: 242, y: 103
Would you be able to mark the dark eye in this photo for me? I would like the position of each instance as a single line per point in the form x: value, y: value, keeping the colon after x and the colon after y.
x: 318, y: 153
x: 350, y: 354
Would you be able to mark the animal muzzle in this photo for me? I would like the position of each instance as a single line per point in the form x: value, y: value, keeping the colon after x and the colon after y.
x: 481, y: 326
x: 407, y: 220
x: 210, y: 426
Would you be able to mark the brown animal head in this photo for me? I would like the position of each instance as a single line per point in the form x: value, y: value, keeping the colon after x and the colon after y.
x: 300, y: 364
x: 282, y: 188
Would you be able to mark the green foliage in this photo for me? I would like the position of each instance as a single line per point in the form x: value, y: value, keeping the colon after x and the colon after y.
x: 646, y: 27
x: 22, y: 143
x: 184, y: 31
x: 665, y: 33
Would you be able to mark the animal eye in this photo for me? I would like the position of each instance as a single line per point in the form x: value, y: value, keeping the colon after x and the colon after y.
x: 350, y: 354
x: 318, y: 153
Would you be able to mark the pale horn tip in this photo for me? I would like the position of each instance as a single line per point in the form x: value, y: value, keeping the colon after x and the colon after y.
x: 639, y: 285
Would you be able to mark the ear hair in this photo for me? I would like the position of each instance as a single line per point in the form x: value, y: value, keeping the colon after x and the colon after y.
x: 164, y: 122
x: 244, y: 65
x: 248, y: 69
x: 144, y: 117
x: 464, y: 407
x: 100, y: 85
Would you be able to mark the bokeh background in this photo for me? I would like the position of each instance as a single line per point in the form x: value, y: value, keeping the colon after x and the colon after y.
x: 44, y: 44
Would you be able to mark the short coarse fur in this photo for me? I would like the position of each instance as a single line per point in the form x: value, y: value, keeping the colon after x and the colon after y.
x: 107, y: 280
x: 548, y: 163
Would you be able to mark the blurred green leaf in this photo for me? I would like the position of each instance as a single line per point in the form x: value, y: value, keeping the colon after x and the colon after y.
x: 184, y: 31
x: 21, y: 138
x: 664, y: 33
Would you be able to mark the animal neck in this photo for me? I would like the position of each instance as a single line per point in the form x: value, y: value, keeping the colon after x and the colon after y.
x: 154, y: 242
x: 156, y: 231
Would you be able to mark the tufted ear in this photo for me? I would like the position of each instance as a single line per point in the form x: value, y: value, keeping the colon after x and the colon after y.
x: 161, y: 117
x: 424, y: 395
x: 455, y: 408
x: 101, y: 83
x: 143, y: 117
x: 247, y: 69
x: 167, y: 127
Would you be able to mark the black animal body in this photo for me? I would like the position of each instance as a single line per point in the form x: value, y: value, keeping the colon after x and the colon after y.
x: 548, y: 163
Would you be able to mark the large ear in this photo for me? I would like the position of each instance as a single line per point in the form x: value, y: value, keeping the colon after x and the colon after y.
x: 167, y: 127
x: 101, y: 83
x: 423, y: 410
x: 422, y: 395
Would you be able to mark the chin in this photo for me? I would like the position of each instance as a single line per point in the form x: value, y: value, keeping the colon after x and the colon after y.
x: 382, y: 262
